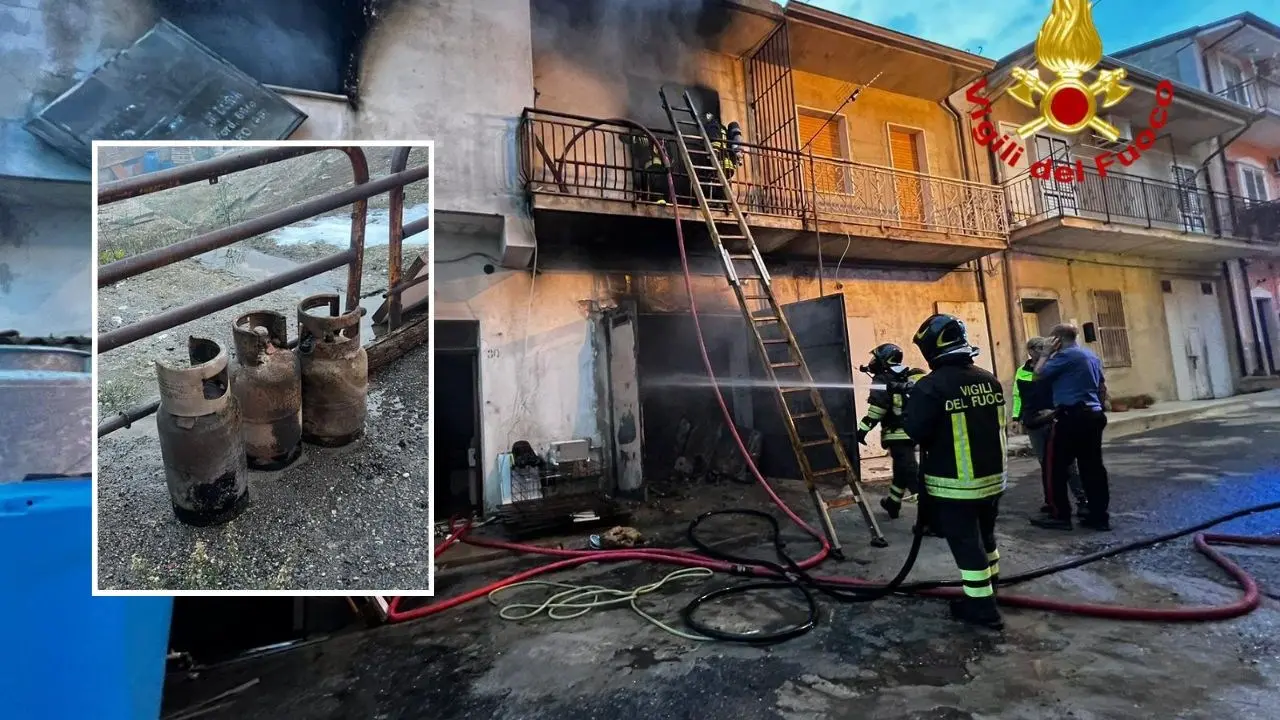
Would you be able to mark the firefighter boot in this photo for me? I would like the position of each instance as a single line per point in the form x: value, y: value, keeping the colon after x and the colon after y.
x: 981, y: 612
x: 891, y: 507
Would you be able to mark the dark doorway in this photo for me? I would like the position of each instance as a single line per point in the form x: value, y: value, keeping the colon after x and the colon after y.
x: 455, y: 408
x: 674, y: 387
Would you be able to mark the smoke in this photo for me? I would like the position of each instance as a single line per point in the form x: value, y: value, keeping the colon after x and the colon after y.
x: 637, y: 45
x: 304, y: 44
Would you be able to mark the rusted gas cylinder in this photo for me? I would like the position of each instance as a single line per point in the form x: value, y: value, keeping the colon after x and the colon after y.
x: 268, y: 387
x: 335, y: 373
x: 200, y: 437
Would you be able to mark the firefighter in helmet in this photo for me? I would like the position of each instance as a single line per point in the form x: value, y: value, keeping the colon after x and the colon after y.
x: 891, y: 381
x: 726, y: 152
x: 649, y: 170
x: 956, y: 414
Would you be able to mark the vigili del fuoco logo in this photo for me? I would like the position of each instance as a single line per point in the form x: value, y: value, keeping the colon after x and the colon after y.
x: 1069, y: 48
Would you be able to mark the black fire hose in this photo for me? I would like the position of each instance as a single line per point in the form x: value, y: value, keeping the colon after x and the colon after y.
x: 790, y: 575
x: 793, y: 577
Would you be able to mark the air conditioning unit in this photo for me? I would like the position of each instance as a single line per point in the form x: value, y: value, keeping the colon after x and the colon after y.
x: 1274, y: 164
x: 1126, y: 134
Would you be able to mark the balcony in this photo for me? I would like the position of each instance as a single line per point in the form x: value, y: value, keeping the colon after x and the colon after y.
x: 1133, y: 215
x: 574, y: 164
x: 1262, y: 94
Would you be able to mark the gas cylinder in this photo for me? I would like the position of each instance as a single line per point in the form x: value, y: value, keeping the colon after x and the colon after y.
x: 201, y: 440
x: 46, y: 428
x: 335, y: 373
x: 268, y: 388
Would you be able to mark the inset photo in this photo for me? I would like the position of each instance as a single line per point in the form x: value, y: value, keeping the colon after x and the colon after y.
x: 262, y: 368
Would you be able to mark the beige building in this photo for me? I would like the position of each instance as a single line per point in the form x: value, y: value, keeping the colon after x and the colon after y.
x: 1144, y: 253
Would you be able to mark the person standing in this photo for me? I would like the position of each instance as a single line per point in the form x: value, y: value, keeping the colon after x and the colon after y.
x: 1033, y: 411
x: 891, y: 383
x: 1079, y: 390
x: 956, y: 414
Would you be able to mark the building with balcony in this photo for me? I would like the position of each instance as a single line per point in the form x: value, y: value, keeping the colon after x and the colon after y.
x: 1144, y: 253
x: 869, y: 203
x: 1238, y: 59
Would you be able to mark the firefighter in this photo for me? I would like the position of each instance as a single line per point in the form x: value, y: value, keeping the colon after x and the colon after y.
x: 891, y: 382
x: 956, y: 414
x: 723, y: 151
x: 651, y: 175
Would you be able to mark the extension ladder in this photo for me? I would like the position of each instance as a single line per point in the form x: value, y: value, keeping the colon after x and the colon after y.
x: 813, y: 436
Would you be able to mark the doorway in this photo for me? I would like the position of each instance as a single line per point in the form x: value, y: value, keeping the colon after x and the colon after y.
x: 1268, y: 329
x: 1197, y: 339
x: 906, y: 155
x: 455, y: 409
x: 1039, y: 315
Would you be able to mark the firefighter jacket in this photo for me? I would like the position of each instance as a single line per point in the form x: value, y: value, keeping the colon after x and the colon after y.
x: 956, y: 415
x: 646, y: 155
x: 720, y: 144
x: 887, y: 402
x: 1030, y: 396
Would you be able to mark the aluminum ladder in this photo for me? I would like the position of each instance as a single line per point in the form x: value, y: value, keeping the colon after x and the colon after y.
x: 808, y: 423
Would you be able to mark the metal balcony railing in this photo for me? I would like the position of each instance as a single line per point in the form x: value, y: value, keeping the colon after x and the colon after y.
x: 1143, y: 202
x: 570, y: 155
x: 1258, y: 93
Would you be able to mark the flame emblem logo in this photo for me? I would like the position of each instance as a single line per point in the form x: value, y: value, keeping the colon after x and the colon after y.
x: 1069, y: 47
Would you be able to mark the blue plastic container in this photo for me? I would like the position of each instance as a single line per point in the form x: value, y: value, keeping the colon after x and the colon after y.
x: 63, y: 652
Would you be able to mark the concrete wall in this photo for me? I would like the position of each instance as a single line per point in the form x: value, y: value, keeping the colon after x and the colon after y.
x: 540, y: 350
x: 424, y: 77
x: 46, y: 285
x: 1072, y: 282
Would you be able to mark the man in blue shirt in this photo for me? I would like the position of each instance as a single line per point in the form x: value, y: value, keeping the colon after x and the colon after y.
x: 1079, y: 390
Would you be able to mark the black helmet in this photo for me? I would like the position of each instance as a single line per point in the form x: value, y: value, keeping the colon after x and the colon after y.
x: 942, y: 335
x: 886, y: 356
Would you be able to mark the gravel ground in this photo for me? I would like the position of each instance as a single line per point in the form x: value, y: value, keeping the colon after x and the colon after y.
x: 351, y: 518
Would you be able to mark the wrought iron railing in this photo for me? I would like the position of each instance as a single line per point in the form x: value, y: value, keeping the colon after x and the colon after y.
x: 1258, y: 93
x: 576, y: 156
x: 1139, y: 201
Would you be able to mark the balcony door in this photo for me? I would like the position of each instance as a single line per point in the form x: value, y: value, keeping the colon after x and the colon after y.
x: 1190, y: 201
x: 1233, y: 79
x: 905, y: 155
x: 826, y: 141
x: 1059, y: 197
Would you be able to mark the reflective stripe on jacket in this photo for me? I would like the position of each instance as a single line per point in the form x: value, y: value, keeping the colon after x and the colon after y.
x: 956, y: 414
x: 887, y: 408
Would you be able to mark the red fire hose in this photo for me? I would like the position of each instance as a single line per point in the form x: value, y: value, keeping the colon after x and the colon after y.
x: 573, y: 558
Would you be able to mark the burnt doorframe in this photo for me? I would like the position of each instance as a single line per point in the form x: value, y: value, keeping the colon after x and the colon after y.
x: 462, y: 338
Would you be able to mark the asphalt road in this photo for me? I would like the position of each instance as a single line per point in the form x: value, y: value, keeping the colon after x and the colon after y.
x: 898, y: 659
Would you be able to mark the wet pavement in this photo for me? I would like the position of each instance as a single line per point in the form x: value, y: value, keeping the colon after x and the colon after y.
x: 897, y: 659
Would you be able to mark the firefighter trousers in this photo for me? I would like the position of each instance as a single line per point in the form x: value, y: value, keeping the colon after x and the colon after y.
x: 906, y: 469
x: 970, y: 529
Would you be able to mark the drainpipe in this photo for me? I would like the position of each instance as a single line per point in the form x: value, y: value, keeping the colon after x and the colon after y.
x: 978, y: 273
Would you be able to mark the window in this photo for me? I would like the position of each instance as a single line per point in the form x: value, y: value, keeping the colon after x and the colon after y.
x: 1206, y: 288
x: 1233, y: 80
x: 1190, y: 207
x: 1113, y: 334
x: 827, y: 142
x: 1059, y: 197
x: 1253, y: 183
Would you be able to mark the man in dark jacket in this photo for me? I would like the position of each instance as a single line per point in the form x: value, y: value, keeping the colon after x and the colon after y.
x: 891, y: 383
x: 1033, y: 410
x: 1079, y: 396
x: 956, y: 414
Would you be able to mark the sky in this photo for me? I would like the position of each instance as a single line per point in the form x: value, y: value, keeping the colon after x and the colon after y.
x: 995, y: 28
